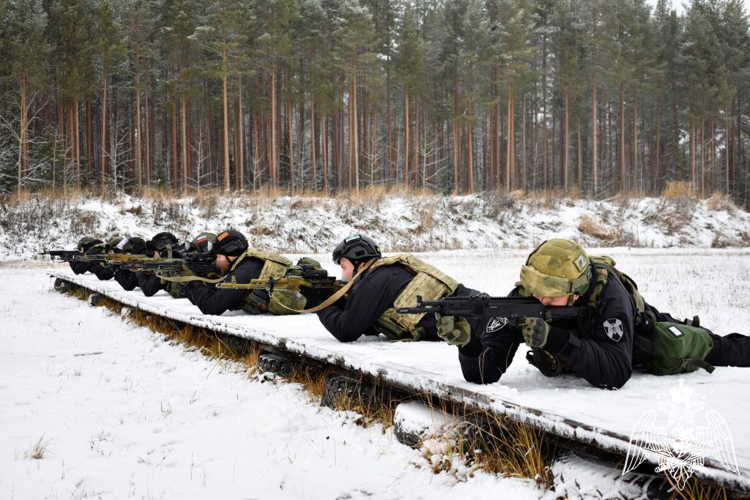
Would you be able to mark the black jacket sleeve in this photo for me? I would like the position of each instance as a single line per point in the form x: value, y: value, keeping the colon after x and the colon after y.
x: 149, y: 283
x: 489, y: 354
x: 80, y: 267
x: 212, y: 300
x: 102, y: 271
x: 491, y: 350
x: 127, y: 279
x: 369, y: 298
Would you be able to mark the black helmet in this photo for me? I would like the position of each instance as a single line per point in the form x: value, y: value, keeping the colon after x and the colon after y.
x: 162, y: 241
x: 135, y: 246
x: 356, y: 248
x: 87, y: 242
x: 230, y: 242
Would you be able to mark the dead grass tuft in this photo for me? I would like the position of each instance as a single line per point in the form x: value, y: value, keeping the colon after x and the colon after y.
x: 695, y: 490
x: 721, y: 202
x: 37, y: 450
x: 678, y: 190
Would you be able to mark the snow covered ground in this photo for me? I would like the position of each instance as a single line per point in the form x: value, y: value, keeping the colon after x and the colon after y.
x: 148, y: 399
x: 122, y: 414
x: 419, y: 223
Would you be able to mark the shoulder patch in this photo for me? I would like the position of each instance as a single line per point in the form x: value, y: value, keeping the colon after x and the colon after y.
x: 496, y: 324
x: 613, y: 329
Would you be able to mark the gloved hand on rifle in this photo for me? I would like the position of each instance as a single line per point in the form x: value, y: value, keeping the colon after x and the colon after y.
x: 455, y: 330
x: 535, y: 331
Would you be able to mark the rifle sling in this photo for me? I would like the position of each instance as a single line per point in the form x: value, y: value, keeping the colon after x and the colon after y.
x: 333, y: 298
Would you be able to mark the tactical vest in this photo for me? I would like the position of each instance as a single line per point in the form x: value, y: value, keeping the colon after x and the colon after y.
x: 663, y: 348
x: 428, y: 282
x: 274, y: 266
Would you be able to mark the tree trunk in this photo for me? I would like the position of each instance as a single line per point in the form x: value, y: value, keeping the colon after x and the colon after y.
x: 184, y: 152
x: 523, y: 143
x: 240, y: 160
x: 291, y: 141
x: 137, y: 113
x: 103, y: 166
x: 623, y: 187
x: 324, y: 131
x: 175, y: 175
x: 225, y: 105
x: 406, y: 136
x: 567, y: 143
x: 272, y: 132
x: 89, y: 142
x: 657, y: 173
x: 635, y: 144
x: 313, y: 146
x: 22, y: 159
x: 456, y: 136
x: 78, y: 139
x: 594, y: 104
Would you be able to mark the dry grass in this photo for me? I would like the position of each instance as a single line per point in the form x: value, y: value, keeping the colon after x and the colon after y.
x: 506, y: 446
x: 379, y: 410
x: 678, y: 190
x: 721, y: 202
x: 37, y: 450
x: 695, y: 490
x: 591, y: 226
x: 313, y: 381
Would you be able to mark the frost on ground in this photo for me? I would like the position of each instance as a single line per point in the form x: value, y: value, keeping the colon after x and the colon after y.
x: 418, y: 223
x: 94, y: 407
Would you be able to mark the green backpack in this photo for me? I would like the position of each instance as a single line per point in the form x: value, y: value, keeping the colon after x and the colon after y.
x: 663, y: 348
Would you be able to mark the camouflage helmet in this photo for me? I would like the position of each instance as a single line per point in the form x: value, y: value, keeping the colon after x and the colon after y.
x: 204, y: 242
x: 87, y: 242
x: 555, y: 269
x: 115, y: 243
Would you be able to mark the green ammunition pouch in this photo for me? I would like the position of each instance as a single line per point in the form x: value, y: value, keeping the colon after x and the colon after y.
x: 429, y: 282
x: 673, y: 348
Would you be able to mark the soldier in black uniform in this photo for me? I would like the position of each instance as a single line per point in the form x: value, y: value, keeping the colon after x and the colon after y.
x: 230, y: 245
x: 601, y: 347
x: 84, y: 245
x: 125, y: 277
x: 89, y: 246
x: 383, y: 285
x: 163, y: 245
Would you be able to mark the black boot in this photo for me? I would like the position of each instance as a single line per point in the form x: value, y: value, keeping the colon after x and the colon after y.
x: 731, y: 350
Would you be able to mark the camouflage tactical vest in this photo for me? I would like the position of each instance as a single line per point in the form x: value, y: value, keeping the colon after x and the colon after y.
x: 429, y: 282
x: 274, y: 266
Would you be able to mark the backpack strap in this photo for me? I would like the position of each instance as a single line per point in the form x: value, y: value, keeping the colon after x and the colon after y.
x: 684, y: 364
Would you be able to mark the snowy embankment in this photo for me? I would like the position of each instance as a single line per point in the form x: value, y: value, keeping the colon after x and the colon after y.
x: 419, y: 223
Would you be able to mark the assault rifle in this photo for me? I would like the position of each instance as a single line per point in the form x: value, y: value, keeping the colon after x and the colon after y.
x: 509, y: 308
x: 315, y: 282
x: 199, y: 264
x: 484, y: 306
x: 64, y: 255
